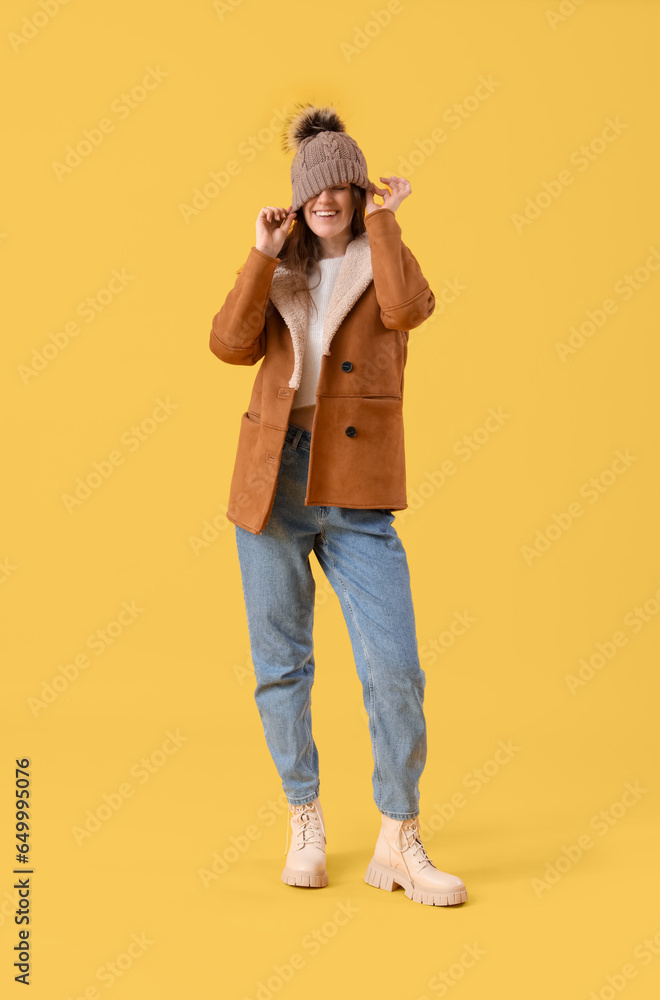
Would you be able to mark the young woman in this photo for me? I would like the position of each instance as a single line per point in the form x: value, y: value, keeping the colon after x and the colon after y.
x: 326, y: 298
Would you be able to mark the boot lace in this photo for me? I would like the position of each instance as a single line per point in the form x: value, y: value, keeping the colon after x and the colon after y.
x: 409, y: 838
x: 310, y: 828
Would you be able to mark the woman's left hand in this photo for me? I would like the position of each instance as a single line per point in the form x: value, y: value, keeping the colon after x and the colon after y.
x: 400, y: 189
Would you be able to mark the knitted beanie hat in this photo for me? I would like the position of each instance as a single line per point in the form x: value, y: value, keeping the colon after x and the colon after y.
x: 325, y: 154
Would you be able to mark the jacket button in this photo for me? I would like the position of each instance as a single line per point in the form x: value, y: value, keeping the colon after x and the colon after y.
x: 351, y: 431
x: 346, y: 366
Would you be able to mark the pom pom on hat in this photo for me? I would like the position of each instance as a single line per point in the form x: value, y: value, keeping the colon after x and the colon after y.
x: 307, y: 121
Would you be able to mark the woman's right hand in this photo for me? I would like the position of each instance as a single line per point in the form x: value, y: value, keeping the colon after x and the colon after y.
x: 273, y: 225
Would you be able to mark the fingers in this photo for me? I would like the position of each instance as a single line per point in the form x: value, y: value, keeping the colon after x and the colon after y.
x: 274, y: 213
x: 400, y: 183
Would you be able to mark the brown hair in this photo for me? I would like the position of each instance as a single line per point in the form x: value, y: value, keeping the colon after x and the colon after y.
x: 301, y: 249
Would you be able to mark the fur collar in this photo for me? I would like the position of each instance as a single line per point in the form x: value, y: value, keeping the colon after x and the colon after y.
x: 355, y: 275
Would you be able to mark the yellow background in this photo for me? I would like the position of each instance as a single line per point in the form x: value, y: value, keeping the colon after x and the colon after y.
x: 182, y: 664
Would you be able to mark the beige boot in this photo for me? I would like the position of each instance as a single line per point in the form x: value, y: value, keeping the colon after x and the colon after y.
x: 400, y: 860
x: 305, y: 863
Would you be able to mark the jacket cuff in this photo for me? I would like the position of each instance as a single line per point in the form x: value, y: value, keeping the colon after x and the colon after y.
x: 388, y: 219
x: 264, y: 256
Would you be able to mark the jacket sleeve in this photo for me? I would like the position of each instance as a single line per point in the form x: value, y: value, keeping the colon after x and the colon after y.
x: 402, y: 291
x: 238, y: 330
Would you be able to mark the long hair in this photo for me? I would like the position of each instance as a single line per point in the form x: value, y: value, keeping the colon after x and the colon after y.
x: 301, y: 249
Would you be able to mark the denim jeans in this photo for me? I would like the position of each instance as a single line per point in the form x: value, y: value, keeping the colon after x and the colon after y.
x: 366, y: 564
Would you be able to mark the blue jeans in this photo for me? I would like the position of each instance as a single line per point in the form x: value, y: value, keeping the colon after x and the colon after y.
x: 366, y: 564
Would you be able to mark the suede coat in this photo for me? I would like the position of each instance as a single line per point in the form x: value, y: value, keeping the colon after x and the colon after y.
x: 357, y: 456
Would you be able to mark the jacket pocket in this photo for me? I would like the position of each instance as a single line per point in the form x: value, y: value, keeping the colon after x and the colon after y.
x: 251, y: 481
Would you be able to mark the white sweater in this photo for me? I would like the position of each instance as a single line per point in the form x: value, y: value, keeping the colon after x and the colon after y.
x: 306, y: 393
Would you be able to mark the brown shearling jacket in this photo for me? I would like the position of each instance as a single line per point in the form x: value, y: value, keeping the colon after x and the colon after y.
x: 357, y: 449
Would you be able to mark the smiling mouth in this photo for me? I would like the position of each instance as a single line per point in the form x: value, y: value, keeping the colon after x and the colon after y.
x: 325, y: 215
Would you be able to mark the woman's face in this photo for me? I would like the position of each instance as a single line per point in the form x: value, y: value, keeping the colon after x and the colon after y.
x: 337, y: 200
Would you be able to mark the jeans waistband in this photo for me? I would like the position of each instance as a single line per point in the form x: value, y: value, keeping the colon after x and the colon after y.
x: 298, y: 437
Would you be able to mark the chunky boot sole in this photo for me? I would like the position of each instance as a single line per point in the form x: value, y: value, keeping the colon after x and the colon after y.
x: 383, y: 877
x: 292, y: 877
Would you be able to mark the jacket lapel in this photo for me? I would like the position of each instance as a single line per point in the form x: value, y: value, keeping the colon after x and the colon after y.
x: 355, y: 275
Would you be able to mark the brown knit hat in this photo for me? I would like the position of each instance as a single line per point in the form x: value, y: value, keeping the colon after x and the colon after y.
x: 325, y: 154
